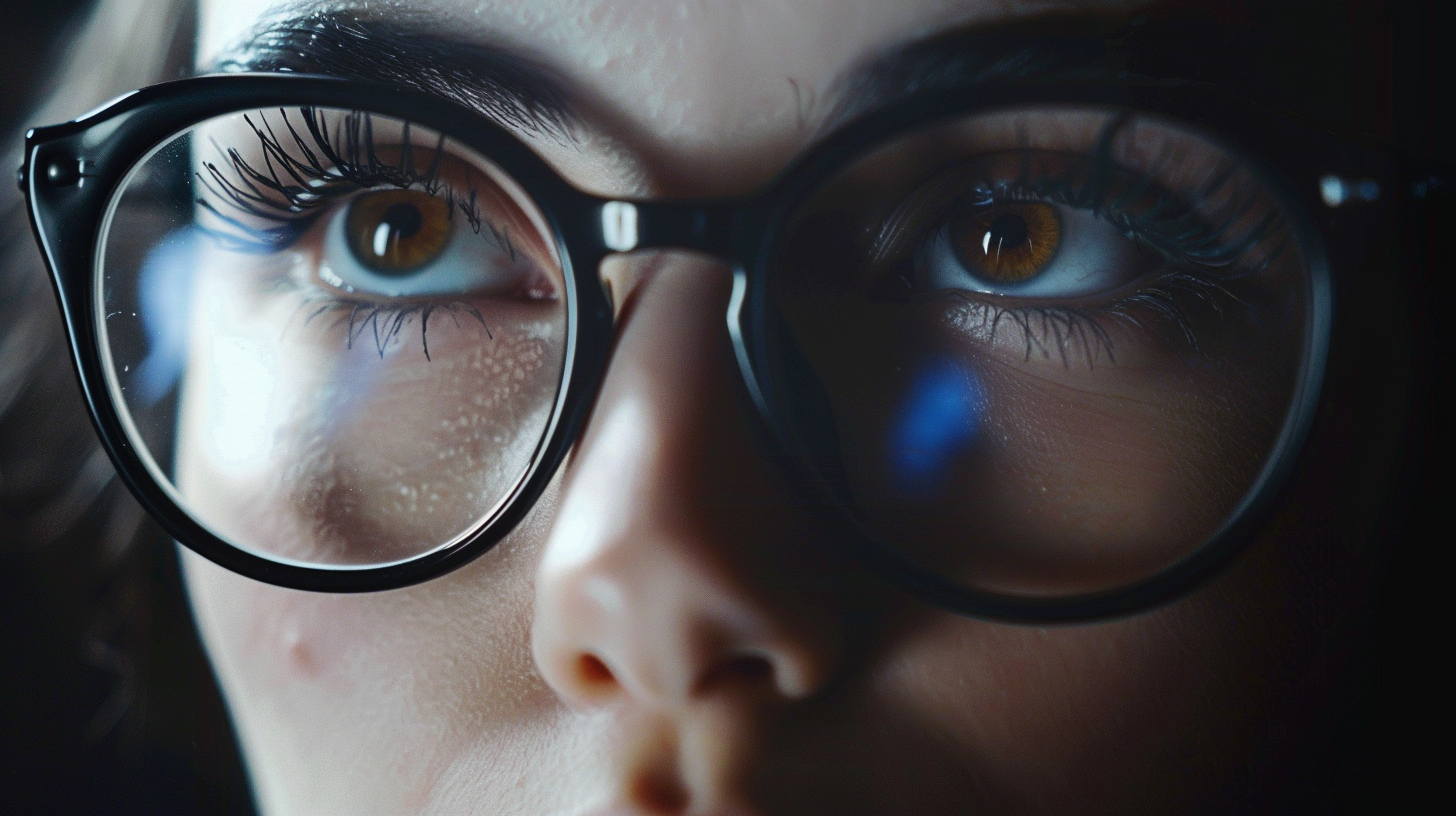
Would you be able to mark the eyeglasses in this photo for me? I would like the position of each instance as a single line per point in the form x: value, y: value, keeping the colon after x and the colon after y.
x: 1039, y: 352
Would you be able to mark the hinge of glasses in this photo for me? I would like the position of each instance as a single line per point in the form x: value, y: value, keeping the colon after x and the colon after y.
x: 64, y: 172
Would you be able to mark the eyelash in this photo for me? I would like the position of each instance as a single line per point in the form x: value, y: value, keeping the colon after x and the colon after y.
x: 353, y: 165
x: 1181, y: 275
x: 1063, y: 328
x: 363, y: 315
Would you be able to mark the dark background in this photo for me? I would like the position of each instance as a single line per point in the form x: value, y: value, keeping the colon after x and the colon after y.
x: 107, y: 705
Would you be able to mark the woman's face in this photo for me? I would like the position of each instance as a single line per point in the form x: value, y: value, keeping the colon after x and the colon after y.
x: 668, y: 631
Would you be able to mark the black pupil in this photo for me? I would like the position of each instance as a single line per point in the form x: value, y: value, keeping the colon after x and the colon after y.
x: 1007, y: 232
x: 403, y: 220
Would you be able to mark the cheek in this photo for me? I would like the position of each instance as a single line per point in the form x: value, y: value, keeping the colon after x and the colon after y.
x: 328, y: 435
x: 270, y: 637
x: 1029, y: 459
x: 1092, y: 481
x: 1071, y: 719
x: 380, y: 699
x: 474, y: 620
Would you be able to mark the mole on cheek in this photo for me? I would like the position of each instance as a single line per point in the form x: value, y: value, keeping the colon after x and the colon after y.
x: 293, y: 638
x: 299, y: 657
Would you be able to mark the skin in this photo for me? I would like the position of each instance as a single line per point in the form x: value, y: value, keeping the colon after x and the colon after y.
x: 668, y: 632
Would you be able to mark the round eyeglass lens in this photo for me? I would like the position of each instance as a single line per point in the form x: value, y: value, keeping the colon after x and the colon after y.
x: 1044, y: 351
x: 335, y: 337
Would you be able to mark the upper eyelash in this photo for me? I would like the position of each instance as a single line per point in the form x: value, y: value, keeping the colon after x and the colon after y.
x: 288, y: 191
x: 1168, y: 224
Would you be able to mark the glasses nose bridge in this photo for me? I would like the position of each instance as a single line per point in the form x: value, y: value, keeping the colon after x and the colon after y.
x: 709, y: 226
x: 727, y: 230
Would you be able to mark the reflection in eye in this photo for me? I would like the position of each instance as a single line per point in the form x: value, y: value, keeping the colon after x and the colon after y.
x: 395, y: 232
x: 1015, y: 240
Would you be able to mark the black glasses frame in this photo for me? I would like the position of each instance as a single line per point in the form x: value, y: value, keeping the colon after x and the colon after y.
x: 72, y: 172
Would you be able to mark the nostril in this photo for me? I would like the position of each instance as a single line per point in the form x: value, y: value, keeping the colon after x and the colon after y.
x: 741, y: 670
x: 749, y: 667
x: 593, y: 672
x: 658, y: 793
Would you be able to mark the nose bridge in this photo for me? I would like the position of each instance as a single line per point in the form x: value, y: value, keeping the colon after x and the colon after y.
x: 662, y: 573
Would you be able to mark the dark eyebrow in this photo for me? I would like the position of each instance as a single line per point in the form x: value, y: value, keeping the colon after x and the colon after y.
x: 500, y: 83
x: 1068, y: 47
x: 521, y: 92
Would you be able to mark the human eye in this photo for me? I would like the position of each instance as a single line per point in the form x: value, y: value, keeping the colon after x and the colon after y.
x: 341, y: 334
x: 1013, y: 248
x: 1082, y: 246
x: 405, y: 243
x: 1052, y: 348
x: 368, y: 218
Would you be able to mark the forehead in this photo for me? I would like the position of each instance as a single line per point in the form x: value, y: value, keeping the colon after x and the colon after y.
x: 721, y: 93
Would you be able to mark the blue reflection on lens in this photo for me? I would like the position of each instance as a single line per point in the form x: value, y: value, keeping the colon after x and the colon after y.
x: 938, y: 421
x: 165, y: 295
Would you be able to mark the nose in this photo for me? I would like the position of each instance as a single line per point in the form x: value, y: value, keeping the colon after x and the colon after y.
x: 678, y: 574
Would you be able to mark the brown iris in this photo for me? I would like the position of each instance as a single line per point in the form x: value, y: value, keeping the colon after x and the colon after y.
x: 1007, y: 243
x: 395, y: 232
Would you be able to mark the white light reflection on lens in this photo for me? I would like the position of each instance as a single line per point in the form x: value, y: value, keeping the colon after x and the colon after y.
x: 243, y: 387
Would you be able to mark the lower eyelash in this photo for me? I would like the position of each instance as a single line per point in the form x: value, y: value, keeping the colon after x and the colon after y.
x: 1162, y: 298
x: 1080, y: 333
x: 1044, y: 329
x: 386, y: 322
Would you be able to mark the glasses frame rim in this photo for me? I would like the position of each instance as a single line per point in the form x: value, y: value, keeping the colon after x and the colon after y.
x: 96, y: 152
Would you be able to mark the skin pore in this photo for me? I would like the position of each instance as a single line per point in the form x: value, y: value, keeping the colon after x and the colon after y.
x: 668, y: 632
